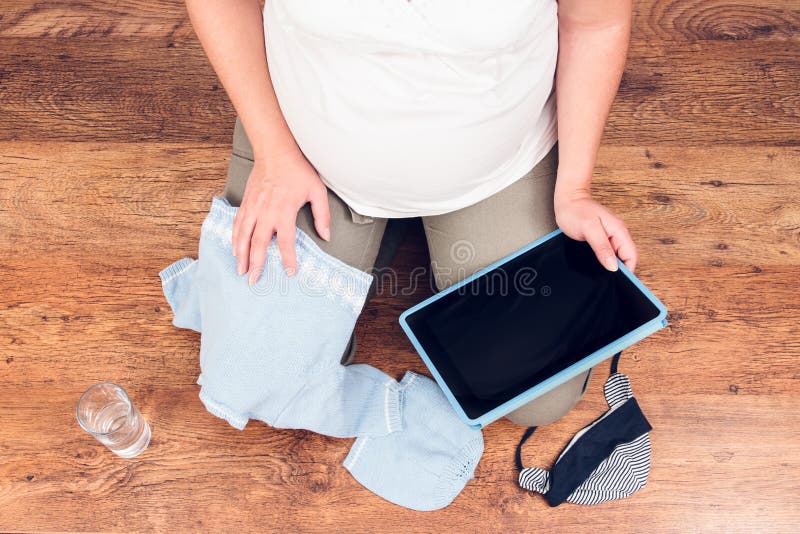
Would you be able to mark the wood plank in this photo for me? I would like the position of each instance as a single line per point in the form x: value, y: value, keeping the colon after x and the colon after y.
x: 109, y: 19
x: 715, y: 20
x: 50, y: 328
x: 738, y: 206
x: 156, y: 89
x: 654, y: 20
x: 122, y: 324
x: 215, y: 477
x: 753, y: 100
x: 128, y: 89
x: 74, y: 195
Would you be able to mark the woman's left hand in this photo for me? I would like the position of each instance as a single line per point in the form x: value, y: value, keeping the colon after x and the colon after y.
x: 584, y: 219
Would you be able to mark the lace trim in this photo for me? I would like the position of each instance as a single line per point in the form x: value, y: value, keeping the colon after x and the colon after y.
x: 316, y: 275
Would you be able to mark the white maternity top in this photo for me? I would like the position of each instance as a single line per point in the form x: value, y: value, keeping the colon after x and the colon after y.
x: 416, y: 107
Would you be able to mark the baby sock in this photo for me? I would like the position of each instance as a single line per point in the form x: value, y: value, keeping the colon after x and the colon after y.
x: 427, y: 464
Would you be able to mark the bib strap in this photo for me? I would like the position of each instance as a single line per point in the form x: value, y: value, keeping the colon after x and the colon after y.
x: 614, y: 362
x: 529, y: 432
x: 525, y: 437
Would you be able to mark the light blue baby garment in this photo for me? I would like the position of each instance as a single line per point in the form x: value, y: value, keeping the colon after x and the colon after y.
x: 425, y: 466
x: 271, y: 351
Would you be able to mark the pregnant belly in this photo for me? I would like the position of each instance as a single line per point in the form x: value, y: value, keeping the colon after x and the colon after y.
x: 402, y: 165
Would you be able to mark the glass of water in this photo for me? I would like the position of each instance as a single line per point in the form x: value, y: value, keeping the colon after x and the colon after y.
x: 106, y: 412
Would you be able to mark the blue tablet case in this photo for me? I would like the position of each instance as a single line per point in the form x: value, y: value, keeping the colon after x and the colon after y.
x: 582, y: 365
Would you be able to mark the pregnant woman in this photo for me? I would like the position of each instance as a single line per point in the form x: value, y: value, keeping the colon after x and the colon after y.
x: 482, y: 118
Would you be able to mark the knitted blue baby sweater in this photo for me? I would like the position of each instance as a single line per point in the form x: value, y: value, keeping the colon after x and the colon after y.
x: 271, y: 351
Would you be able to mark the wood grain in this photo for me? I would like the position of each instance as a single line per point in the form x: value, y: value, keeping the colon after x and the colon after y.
x: 201, y: 473
x: 115, y: 134
x: 147, y: 77
x: 716, y: 20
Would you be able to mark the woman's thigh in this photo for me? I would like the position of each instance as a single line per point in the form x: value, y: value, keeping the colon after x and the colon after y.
x: 466, y: 240
x: 355, y: 239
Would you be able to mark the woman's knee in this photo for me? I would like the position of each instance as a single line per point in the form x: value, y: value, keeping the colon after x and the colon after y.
x: 554, y: 404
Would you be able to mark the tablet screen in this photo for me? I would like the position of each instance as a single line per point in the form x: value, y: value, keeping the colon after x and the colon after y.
x: 525, y: 321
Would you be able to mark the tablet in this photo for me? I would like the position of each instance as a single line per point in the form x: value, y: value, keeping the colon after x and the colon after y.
x: 528, y: 323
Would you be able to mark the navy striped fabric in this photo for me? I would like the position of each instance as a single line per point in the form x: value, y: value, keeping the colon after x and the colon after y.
x: 607, y: 460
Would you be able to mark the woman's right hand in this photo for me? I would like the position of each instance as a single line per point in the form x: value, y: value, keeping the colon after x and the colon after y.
x: 275, y: 192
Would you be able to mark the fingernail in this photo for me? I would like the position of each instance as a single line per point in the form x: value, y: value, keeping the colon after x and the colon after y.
x: 252, y: 279
x: 290, y: 271
x: 239, y: 268
x: 326, y: 234
x: 611, y: 263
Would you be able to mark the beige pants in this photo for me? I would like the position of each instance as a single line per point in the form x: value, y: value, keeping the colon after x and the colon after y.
x: 460, y: 243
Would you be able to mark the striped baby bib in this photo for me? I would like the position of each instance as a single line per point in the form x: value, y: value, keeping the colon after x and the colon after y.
x: 607, y: 460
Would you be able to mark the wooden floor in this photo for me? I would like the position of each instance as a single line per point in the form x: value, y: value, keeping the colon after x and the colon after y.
x: 114, y: 135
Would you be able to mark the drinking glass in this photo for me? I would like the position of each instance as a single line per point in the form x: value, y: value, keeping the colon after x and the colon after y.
x: 106, y: 412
